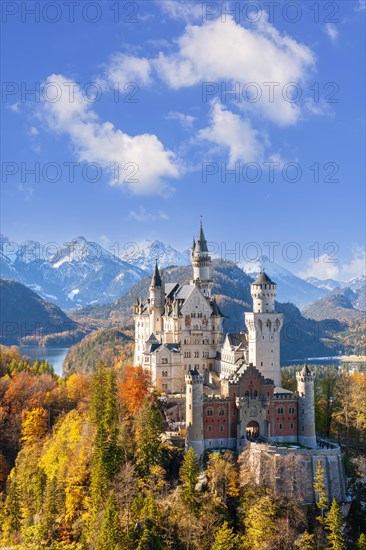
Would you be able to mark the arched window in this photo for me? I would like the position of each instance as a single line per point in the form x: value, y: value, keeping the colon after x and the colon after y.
x: 255, y: 393
x: 280, y: 410
x: 221, y: 428
x: 222, y: 412
x: 209, y: 412
x: 280, y: 426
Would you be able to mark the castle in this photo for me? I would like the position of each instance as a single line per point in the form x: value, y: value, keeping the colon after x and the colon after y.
x: 179, y: 338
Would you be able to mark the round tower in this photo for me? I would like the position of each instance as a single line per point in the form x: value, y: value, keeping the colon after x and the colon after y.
x: 264, y: 327
x: 194, y: 411
x: 306, y: 414
x: 156, y: 302
x: 201, y: 263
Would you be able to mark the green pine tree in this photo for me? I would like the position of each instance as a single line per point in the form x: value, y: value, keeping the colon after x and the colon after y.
x: 148, y: 427
x: 334, y: 524
x: 12, y: 521
x: 188, y: 474
x: 260, y: 523
x: 111, y: 534
x: 225, y: 538
x: 320, y: 490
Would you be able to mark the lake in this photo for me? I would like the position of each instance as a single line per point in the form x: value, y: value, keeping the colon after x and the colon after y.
x: 54, y: 355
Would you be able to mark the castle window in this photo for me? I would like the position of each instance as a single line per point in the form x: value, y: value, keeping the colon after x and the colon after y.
x: 221, y: 428
x: 261, y: 363
x: 291, y: 426
x: 246, y: 394
x: 291, y: 410
x: 209, y: 412
x: 146, y: 359
x: 210, y: 428
x: 255, y: 393
x: 280, y: 410
x: 280, y: 426
x: 222, y: 412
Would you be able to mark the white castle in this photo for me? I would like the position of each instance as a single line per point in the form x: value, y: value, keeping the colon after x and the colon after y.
x: 180, y: 327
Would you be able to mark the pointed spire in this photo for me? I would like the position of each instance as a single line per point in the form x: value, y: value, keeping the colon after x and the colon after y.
x: 156, y: 279
x: 201, y: 245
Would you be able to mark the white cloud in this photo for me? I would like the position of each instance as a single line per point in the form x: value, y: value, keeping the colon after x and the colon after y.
x: 181, y: 11
x: 185, y: 120
x: 326, y: 268
x: 225, y: 51
x: 361, y: 6
x: 139, y: 163
x: 124, y: 68
x: 237, y: 135
x: 332, y: 32
x: 143, y: 216
x: 321, y: 268
x: 357, y: 266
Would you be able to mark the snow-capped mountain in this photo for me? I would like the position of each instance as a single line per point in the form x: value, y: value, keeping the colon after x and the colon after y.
x: 290, y: 288
x: 145, y: 253
x: 328, y: 284
x: 78, y: 273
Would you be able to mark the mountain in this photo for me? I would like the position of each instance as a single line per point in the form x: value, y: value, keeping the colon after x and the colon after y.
x: 300, y: 337
x: 78, y: 273
x: 327, y: 284
x: 144, y: 254
x: 24, y: 314
x: 290, y: 288
x: 343, y: 304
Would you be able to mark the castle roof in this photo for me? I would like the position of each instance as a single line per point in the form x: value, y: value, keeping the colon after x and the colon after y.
x: 305, y: 371
x: 216, y: 312
x: 237, y: 341
x: 201, y: 244
x: 156, y: 279
x: 262, y: 279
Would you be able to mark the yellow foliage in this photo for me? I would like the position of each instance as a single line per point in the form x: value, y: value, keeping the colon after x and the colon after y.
x: 34, y: 425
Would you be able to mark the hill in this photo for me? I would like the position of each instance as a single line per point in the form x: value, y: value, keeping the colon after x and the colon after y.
x: 104, y: 345
x: 25, y: 316
x: 300, y: 337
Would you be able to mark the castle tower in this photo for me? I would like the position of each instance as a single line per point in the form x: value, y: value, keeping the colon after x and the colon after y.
x: 201, y: 263
x: 194, y: 411
x: 305, y: 387
x: 264, y: 327
x: 156, y: 302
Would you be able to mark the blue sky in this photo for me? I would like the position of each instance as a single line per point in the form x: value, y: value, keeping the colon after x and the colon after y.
x: 160, y: 70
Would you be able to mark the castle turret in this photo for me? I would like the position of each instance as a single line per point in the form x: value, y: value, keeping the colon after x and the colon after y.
x: 156, y: 301
x: 264, y: 325
x: 305, y: 387
x: 194, y: 411
x: 201, y: 263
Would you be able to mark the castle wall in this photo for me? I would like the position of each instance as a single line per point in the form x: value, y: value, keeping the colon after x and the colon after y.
x: 291, y: 471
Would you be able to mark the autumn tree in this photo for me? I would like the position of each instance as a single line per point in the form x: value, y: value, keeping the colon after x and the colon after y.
x: 320, y: 490
x: 225, y: 538
x: 134, y: 387
x: 260, y: 524
x: 305, y: 542
x: 361, y: 543
x: 34, y: 425
x: 334, y: 524
x: 223, y: 477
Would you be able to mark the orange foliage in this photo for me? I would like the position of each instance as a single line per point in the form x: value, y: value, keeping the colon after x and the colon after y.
x: 78, y: 387
x: 134, y: 387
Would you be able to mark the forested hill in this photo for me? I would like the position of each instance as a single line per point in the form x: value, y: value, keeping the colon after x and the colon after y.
x: 24, y: 315
x: 300, y: 337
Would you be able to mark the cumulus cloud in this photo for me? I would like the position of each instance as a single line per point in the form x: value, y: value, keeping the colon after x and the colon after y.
x: 232, y: 132
x: 124, y: 68
x: 361, y: 6
x: 139, y: 163
x: 332, y: 32
x: 142, y: 215
x: 218, y: 51
x: 326, y: 268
